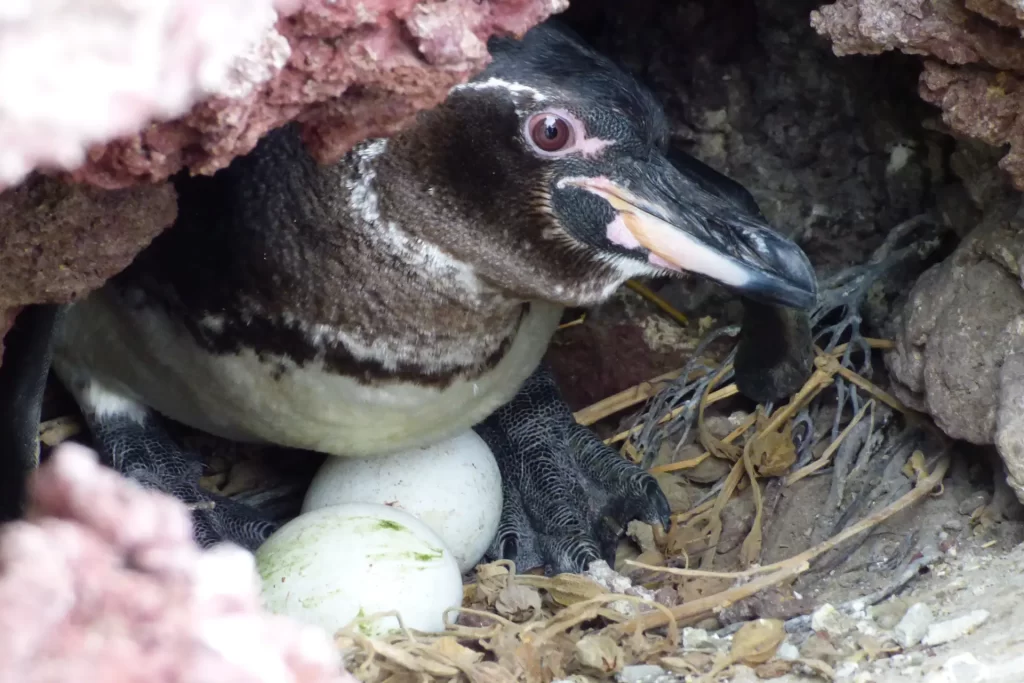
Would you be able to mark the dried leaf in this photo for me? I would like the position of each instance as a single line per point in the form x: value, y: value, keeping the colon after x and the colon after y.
x: 773, y: 453
x: 58, y: 430
x: 757, y: 641
x: 490, y: 580
x: 872, y: 646
x: 682, y: 538
x: 773, y: 669
x: 457, y: 654
x: 489, y: 672
x: 567, y: 589
x: 411, y: 662
x: 916, y: 467
x: 643, y: 535
x: 818, y: 667
x: 517, y: 602
x: 689, y: 663
x: 599, y: 653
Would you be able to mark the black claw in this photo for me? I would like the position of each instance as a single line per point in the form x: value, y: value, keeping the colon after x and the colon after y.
x: 659, y: 510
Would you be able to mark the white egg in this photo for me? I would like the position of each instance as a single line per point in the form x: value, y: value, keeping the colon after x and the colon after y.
x: 329, y: 566
x: 454, y: 487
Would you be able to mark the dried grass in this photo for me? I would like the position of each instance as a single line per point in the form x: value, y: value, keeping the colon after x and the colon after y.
x: 551, y: 628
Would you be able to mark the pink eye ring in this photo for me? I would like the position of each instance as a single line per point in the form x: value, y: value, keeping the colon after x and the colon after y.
x: 551, y: 133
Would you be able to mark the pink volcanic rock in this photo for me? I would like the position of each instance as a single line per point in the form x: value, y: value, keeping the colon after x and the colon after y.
x: 102, y: 583
x: 75, y: 73
x: 355, y: 70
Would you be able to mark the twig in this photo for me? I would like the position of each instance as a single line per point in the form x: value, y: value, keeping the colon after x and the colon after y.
x: 832, y: 448
x: 696, y: 610
x: 720, y: 395
x: 699, y: 573
x: 665, y: 306
x: 630, y: 397
x: 573, y: 323
x: 693, y: 462
x: 912, y: 572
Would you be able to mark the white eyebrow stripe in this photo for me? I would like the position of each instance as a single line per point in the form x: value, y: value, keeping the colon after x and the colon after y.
x: 591, y: 147
x: 508, y: 86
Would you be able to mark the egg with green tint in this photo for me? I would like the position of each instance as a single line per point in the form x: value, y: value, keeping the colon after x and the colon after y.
x: 454, y: 487
x: 331, y: 565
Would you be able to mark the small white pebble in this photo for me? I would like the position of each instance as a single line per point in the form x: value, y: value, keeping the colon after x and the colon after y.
x: 846, y: 670
x: 913, y: 626
x: 830, y: 620
x: 965, y: 668
x: 946, y: 631
x: 640, y: 673
x: 695, y: 639
x: 788, y: 651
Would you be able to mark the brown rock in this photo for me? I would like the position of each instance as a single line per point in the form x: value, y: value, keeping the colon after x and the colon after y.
x: 955, y: 330
x: 1009, y: 437
x: 998, y: 11
x: 980, y: 104
x: 940, y: 28
x: 59, y: 240
x: 355, y: 70
x: 977, y: 82
x: 960, y: 341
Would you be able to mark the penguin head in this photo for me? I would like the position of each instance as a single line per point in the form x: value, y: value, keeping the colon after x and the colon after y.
x: 550, y: 172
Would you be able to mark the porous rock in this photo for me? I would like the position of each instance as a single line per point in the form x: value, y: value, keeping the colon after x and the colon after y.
x: 103, y: 582
x: 60, y: 240
x: 354, y: 70
x: 960, y: 336
x: 75, y: 74
x: 974, y: 59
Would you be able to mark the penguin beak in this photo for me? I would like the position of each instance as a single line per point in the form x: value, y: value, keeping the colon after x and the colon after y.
x: 686, y: 228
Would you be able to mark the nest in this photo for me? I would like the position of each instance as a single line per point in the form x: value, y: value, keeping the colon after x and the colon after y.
x: 883, y: 458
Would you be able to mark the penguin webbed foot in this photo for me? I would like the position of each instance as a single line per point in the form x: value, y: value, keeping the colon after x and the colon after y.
x: 567, y: 496
x: 131, y: 439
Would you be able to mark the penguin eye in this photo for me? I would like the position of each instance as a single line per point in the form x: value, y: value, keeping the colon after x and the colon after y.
x: 551, y: 133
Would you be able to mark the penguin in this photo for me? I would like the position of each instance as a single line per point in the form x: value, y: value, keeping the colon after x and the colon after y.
x: 408, y: 292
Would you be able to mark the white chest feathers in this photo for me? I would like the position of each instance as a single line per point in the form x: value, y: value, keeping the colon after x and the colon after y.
x: 141, y: 355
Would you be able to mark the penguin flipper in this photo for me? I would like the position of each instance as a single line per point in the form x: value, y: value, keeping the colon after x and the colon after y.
x: 567, y: 496
x: 132, y: 439
x: 26, y: 362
